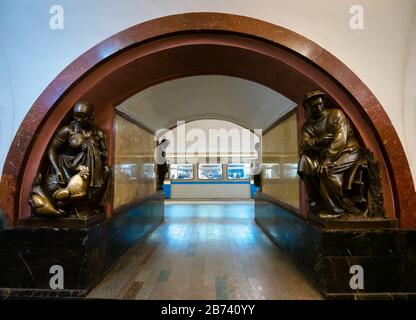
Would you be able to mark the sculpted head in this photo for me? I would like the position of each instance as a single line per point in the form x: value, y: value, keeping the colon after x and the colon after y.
x: 314, y: 103
x: 84, y: 113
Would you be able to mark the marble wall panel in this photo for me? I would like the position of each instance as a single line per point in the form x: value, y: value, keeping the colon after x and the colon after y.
x: 280, y: 159
x: 134, y: 171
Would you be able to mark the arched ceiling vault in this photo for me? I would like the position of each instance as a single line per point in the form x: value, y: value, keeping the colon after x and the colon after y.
x: 246, y: 103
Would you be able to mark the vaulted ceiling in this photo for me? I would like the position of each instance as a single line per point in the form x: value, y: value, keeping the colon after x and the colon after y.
x: 246, y: 103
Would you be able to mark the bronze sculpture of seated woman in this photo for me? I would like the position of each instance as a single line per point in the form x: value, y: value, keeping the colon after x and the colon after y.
x: 76, y: 168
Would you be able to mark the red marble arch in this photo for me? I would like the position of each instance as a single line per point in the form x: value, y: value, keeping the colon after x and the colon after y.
x: 196, y: 44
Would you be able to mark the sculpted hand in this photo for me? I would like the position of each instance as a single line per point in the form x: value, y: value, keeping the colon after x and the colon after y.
x: 323, y: 168
x: 60, y: 177
x: 84, y: 147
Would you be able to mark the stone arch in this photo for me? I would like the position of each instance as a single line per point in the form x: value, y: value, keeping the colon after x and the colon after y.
x: 197, y: 44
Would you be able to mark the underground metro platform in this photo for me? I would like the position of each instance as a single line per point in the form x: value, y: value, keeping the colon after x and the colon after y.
x: 130, y: 236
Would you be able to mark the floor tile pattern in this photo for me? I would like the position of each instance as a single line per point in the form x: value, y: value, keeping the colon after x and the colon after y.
x: 206, y: 251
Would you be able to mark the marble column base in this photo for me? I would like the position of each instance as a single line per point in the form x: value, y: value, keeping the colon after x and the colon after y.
x: 86, y: 254
x: 387, y: 255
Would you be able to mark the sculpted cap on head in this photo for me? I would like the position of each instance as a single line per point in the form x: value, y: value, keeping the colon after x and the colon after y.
x: 84, y: 107
x: 312, y: 95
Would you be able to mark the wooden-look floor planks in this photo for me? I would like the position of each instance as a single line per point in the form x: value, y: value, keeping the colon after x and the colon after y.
x: 206, y: 251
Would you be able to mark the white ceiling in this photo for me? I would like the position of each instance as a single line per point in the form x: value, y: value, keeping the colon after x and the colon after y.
x: 210, y: 137
x: 244, y: 102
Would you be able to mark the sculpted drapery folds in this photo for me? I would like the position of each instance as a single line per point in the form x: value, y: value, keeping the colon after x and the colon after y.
x: 77, y: 177
x: 333, y: 166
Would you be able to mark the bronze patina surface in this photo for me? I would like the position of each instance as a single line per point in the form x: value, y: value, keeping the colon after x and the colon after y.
x: 77, y: 177
x: 341, y: 178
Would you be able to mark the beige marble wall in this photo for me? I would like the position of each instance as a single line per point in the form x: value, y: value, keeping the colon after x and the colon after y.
x: 280, y: 155
x: 134, y: 172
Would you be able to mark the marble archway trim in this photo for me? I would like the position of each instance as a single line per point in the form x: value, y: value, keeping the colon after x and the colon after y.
x: 303, y: 62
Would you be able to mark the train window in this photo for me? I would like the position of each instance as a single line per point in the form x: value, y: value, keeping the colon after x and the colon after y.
x: 238, y: 171
x: 210, y: 172
x: 129, y: 170
x: 290, y: 170
x: 181, y: 171
x: 149, y: 170
x: 271, y: 170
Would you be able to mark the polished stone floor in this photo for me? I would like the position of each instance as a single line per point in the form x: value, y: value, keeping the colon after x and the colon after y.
x: 206, y: 251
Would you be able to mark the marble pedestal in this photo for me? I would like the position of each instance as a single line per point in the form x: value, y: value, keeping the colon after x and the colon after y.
x: 63, y: 223
x: 2, y: 221
x: 86, y: 254
x: 325, y: 255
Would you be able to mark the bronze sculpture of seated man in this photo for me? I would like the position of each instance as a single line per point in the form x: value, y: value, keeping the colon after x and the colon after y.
x: 331, y: 161
x: 77, y: 177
